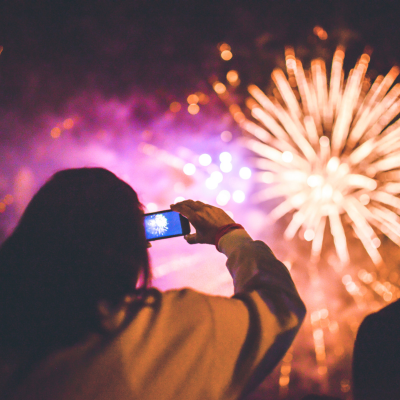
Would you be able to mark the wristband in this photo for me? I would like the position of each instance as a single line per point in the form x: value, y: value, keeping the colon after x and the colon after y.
x: 223, y: 230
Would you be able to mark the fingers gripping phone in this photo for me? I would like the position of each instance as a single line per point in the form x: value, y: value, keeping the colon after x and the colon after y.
x: 165, y: 224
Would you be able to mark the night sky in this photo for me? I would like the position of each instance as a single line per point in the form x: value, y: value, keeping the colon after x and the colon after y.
x: 56, y: 50
x: 115, y: 67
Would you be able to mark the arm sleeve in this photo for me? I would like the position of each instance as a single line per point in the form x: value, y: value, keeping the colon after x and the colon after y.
x: 275, y: 311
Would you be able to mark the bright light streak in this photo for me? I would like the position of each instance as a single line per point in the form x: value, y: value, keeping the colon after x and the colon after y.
x: 223, y: 197
x: 335, y: 152
x: 205, y: 159
x: 245, y: 173
x: 287, y: 156
x: 189, y: 169
x: 309, y: 235
x: 315, y: 180
x: 267, y: 177
x: 324, y: 141
x: 226, y: 167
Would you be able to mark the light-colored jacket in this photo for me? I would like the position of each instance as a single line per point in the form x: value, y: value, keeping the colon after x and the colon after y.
x: 183, y: 344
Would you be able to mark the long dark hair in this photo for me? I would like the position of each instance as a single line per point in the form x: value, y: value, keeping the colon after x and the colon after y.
x: 80, y: 240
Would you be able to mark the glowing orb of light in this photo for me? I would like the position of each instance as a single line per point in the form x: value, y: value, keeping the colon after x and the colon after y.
x: 309, y: 235
x: 223, y: 197
x: 329, y: 147
x: 193, y: 99
x: 189, y: 169
x: 238, y: 196
x: 232, y: 76
x: 267, y: 177
x: 226, y: 55
x: 225, y: 157
x: 216, y: 176
x: 55, y: 132
x: 314, y: 180
x: 219, y: 87
x: 226, y: 136
x: 287, y: 156
x: 205, y: 159
x: 193, y: 109
x: 226, y: 167
x: 151, y: 207
x: 175, y: 107
x: 179, y: 199
x: 211, y: 183
x: 245, y: 173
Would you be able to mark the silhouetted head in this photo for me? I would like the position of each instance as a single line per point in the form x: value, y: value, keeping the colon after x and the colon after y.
x: 80, y: 240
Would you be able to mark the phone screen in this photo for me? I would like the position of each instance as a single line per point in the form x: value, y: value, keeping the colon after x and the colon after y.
x: 165, y: 224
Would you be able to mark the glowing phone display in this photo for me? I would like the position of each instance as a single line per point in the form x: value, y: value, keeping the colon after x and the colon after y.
x: 165, y: 224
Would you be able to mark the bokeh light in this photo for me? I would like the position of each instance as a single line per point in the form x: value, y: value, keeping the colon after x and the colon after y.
x: 226, y: 55
x: 219, y: 87
x: 217, y: 176
x: 226, y: 167
x: 238, y: 196
x: 205, y: 159
x: 175, y: 107
x: 223, y: 198
x: 245, y: 173
x: 226, y: 136
x: 193, y: 99
x: 189, y: 169
x: 151, y: 207
x: 55, y: 132
x: 233, y: 77
x: 225, y: 157
x: 193, y: 109
x: 68, y: 123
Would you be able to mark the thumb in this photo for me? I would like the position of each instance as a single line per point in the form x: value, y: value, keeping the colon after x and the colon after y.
x: 191, y: 239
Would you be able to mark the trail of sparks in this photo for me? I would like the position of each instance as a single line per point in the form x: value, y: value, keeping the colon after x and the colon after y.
x: 329, y: 151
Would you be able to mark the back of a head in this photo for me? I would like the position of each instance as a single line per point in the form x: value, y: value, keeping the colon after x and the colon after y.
x: 80, y: 240
x: 376, y: 356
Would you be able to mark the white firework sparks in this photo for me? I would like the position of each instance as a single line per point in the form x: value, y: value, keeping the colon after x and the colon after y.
x: 329, y: 150
x: 157, y: 225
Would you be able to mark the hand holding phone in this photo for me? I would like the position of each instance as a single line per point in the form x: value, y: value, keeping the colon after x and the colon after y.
x: 205, y: 218
x: 165, y: 224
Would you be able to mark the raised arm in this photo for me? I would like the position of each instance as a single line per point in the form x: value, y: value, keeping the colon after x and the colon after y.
x: 262, y: 283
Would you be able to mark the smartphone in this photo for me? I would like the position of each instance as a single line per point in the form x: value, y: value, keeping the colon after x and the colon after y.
x: 165, y: 224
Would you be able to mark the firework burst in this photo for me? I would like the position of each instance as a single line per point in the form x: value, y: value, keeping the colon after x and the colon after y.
x: 332, y: 152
